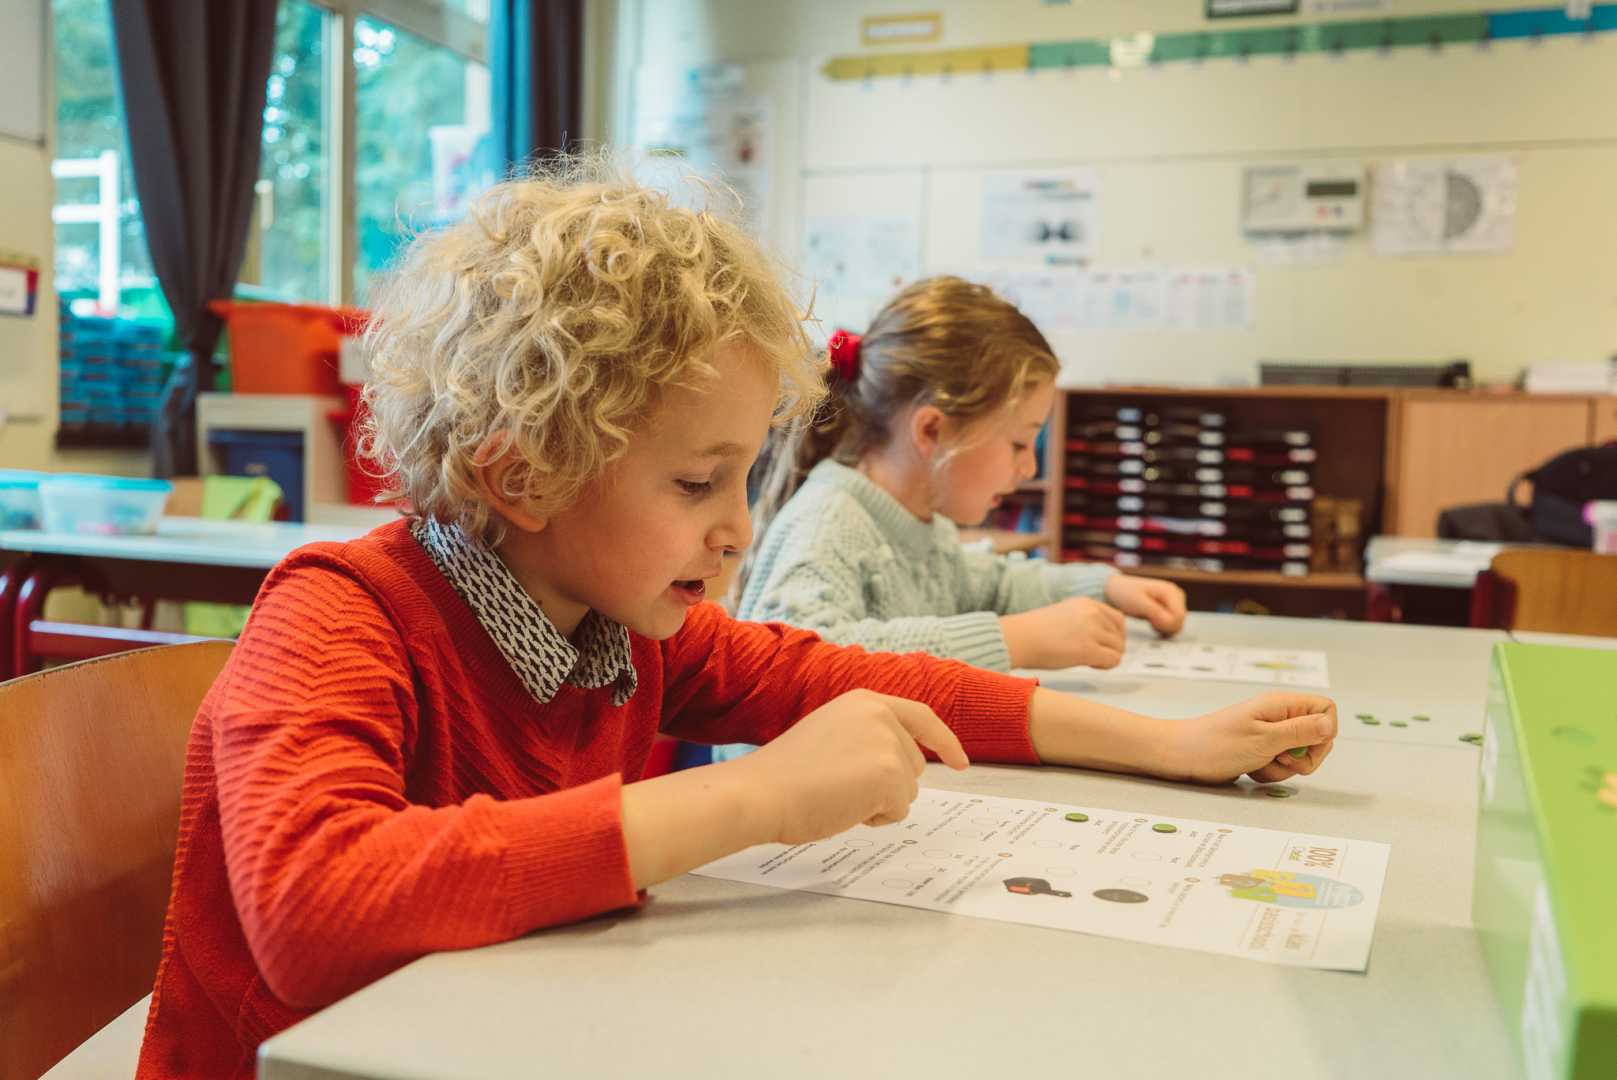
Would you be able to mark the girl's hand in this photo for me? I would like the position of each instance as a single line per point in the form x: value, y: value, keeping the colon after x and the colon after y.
x: 1161, y: 603
x: 1255, y: 737
x: 1069, y: 633
x: 854, y: 760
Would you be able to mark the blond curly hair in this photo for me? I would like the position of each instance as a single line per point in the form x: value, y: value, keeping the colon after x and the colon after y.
x: 554, y: 315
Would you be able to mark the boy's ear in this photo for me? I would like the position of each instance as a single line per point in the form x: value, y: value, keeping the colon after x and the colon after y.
x: 926, y: 426
x: 493, y: 467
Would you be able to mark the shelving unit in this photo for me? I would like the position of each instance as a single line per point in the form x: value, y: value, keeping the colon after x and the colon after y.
x: 1405, y: 454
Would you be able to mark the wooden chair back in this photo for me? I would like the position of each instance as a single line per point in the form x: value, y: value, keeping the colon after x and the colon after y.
x: 92, y: 756
x: 1562, y: 591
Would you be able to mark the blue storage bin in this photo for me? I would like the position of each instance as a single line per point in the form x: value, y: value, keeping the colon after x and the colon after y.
x: 275, y: 454
x: 19, y: 499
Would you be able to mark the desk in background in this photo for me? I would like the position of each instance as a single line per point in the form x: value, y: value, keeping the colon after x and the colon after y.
x: 188, y: 559
x: 716, y: 979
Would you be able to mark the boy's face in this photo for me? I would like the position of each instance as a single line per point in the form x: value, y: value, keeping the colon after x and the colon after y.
x: 645, y: 538
x: 997, y: 455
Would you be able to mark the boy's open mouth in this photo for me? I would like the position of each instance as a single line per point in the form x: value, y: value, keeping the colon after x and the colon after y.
x: 693, y: 590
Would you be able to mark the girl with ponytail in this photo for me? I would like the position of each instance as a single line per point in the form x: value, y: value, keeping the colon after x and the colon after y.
x: 930, y: 421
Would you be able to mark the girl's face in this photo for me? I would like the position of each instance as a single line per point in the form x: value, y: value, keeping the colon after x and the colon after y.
x: 992, y: 456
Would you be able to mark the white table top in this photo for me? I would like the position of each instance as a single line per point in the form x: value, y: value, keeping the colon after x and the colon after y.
x: 189, y: 540
x: 1408, y: 560
x: 715, y: 978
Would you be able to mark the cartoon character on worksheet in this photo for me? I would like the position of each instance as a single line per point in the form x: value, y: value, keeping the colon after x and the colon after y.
x: 1287, y: 889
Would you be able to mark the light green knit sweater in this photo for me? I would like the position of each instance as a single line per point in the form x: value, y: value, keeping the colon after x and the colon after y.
x: 847, y: 560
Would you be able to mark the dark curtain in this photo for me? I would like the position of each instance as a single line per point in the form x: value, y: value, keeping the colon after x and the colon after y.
x: 193, y: 75
x: 537, y: 57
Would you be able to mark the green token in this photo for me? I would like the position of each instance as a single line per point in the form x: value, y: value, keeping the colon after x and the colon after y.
x: 1076, y: 816
x: 1472, y: 737
x: 1372, y: 721
x: 1366, y: 717
x: 1422, y: 718
x: 1163, y: 826
x: 1298, y: 751
x: 1278, y: 792
x: 1400, y: 723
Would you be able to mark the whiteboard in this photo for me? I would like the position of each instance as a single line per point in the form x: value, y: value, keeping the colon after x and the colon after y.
x: 22, y: 69
x: 1169, y: 145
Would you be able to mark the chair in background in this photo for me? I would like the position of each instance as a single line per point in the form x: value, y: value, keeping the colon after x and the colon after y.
x: 1562, y: 591
x: 91, y: 761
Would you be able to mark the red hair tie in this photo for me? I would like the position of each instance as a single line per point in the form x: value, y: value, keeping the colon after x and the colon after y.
x: 845, y: 355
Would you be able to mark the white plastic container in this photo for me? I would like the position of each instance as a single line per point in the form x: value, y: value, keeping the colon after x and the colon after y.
x: 103, y: 505
x: 19, y: 499
x: 1602, y: 517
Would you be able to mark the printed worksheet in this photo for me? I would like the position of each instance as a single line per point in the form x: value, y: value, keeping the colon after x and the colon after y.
x: 1277, y: 896
x: 1184, y: 660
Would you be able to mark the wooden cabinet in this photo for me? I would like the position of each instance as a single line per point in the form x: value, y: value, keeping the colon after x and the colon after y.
x: 1450, y: 449
x: 1405, y: 455
x: 1603, y: 422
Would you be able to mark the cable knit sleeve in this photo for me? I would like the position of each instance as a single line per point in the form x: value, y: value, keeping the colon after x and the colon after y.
x: 1008, y: 584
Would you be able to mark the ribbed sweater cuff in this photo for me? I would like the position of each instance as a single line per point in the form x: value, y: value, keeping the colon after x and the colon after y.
x: 567, y: 859
x: 990, y: 716
x: 976, y: 639
x: 1079, y: 579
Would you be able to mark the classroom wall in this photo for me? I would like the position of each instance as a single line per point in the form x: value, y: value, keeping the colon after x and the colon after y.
x: 1170, y: 145
x: 28, y: 373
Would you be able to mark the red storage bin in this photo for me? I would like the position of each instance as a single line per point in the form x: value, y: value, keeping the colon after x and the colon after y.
x: 362, y: 486
x: 286, y: 348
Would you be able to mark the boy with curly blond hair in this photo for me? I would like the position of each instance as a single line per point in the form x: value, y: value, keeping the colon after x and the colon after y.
x: 432, y: 737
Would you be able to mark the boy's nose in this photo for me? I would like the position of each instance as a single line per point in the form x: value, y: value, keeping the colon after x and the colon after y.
x: 735, y: 531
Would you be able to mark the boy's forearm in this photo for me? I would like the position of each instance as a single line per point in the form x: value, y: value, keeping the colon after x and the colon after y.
x: 675, y: 823
x: 1067, y: 730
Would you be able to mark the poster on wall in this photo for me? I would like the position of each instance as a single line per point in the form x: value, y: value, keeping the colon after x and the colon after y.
x: 19, y: 284
x: 1040, y: 218
x: 855, y: 263
x: 701, y: 121
x: 1444, y: 206
x: 1130, y: 299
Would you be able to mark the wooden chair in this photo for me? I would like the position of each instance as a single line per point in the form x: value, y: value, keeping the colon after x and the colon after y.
x: 1563, y: 591
x: 91, y: 761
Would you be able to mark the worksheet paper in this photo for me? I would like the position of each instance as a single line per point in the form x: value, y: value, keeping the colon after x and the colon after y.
x: 1272, y: 895
x: 1223, y: 663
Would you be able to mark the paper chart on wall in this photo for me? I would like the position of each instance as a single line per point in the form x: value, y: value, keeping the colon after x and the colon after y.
x: 1139, y: 299
x: 1040, y: 218
x: 1444, y: 206
x: 1278, y: 896
x: 709, y: 127
x: 856, y: 263
x: 1223, y: 663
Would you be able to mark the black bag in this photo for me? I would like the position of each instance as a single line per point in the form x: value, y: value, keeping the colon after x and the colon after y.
x: 1561, y: 487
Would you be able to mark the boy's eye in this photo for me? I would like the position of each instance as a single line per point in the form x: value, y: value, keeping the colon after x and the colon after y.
x: 1019, y: 446
x: 695, y: 487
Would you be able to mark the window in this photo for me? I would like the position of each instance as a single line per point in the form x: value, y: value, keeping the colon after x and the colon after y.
x: 423, y: 132
x: 102, y: 266
x: 419, y: 149
x: 290, y: 240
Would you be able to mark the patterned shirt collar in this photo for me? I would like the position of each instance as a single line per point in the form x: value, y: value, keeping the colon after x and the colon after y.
x: 540, y: 655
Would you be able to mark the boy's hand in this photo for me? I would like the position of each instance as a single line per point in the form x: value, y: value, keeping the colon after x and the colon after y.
x: 1161, y: 603
x: 854, y: 760
x: 1255, y: 737
x: 1068, y: 633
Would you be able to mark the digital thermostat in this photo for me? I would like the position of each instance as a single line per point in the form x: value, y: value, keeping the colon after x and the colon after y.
x: 1325, y: 197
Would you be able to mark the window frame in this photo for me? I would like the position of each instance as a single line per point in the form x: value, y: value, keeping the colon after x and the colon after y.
x: 431, y: 20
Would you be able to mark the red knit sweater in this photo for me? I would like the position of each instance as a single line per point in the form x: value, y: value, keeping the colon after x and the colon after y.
x: 368, y: 781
